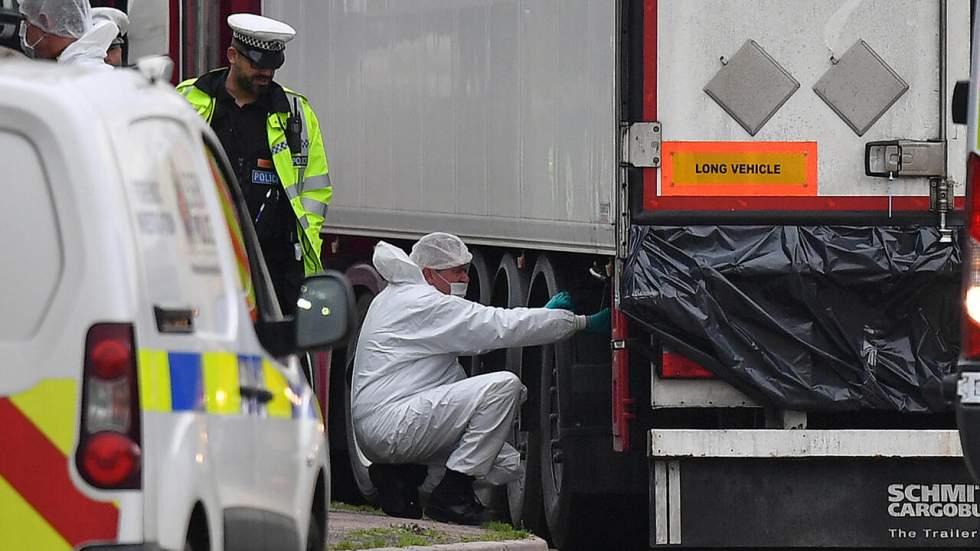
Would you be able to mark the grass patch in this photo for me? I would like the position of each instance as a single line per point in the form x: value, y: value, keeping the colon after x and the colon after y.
x: 396, y: 535
x: 408, y: 534
x: 501, y: 531
x: 338, y: 506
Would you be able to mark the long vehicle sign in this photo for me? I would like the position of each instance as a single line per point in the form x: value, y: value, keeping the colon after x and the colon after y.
x: 739, y: 169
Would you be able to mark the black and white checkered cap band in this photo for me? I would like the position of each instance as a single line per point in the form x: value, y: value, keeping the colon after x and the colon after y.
x: 271, y: 45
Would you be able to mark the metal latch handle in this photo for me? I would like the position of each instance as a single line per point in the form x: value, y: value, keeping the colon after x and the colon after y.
x: 905, y: 158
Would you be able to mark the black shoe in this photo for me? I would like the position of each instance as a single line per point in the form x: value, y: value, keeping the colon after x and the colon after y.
x: 453, y: 501
x: 397, y: 485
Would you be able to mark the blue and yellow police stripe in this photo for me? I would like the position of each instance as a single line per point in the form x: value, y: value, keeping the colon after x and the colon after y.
x: 212, y: 382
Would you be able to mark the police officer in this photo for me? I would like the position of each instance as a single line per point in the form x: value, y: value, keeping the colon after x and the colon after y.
x: 272, y: 138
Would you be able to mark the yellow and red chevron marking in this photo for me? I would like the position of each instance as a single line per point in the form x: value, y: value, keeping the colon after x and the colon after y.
x: 40, y: 507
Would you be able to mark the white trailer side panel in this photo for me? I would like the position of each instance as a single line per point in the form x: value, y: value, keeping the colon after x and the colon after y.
x: 492, y: 119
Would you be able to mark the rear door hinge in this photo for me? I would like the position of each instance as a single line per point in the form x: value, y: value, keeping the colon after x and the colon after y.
x: 640, y: 144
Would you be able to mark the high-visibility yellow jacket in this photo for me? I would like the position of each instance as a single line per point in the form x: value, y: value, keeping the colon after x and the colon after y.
x: 304, y: 177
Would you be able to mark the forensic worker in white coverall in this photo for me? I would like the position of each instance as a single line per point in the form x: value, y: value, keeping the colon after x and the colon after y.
x: 412, y: 404
x: 64, y: 30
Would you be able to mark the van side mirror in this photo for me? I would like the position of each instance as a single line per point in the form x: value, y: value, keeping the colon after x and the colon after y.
x: 324, y: 311
x: 961, y: 100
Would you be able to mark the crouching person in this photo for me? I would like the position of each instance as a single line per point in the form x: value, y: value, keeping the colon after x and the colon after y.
x: 414, y: 410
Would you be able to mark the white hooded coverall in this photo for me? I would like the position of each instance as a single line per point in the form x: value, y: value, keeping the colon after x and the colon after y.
x: 90, y: 49
x: 411, y: 402
x: 73, y: 18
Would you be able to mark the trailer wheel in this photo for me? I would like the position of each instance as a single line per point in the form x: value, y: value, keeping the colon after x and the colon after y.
x: 567, y: 519
x: 479, y: 290
x: 557, y: 501
x: 545, y: 282
x: 522, y: 498
x: 358, y: 462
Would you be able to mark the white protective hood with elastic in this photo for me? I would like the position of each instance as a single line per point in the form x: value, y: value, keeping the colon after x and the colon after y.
x: 118, y: 17
x: 69, y: 18
x: 409, y: 344
x: 90, y: 49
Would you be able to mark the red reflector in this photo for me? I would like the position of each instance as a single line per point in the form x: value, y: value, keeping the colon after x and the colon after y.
x: 110, y: 350
x: 110, y: 458
x: 973, y: 195
x: 971, y: 339
x: 110, y: 359
x: 677, y: 366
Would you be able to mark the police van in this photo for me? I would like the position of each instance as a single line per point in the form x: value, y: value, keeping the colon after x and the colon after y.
x: 150, y: 396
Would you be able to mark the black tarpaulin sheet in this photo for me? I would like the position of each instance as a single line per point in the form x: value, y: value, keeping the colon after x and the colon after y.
x: 805, y: 318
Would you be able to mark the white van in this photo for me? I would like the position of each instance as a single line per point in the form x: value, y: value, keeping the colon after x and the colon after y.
x: 141, y: 402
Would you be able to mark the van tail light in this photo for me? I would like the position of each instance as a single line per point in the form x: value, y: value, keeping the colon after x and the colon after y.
x: 108, y: 454
x: 678, y: 366
x: 971, y: 262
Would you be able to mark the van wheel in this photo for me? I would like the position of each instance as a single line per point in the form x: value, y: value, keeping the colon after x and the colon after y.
x: 197, y: 538
x: 317, y: 530
x: 314, y: 534
x: 314, y: 537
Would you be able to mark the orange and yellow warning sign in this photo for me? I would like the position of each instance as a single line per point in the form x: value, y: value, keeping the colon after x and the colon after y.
x: 745, y: 169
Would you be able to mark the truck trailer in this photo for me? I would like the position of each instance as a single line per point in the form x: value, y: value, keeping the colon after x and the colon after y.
x: 770, y: 196
x: 767, y: 192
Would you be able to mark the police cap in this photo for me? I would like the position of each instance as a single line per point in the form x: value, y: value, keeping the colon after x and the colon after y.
x: 261, y: 39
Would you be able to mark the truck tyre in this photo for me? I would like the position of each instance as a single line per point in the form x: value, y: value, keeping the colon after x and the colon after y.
x: 557, y: 504
x: 343, y: 482
x: 358, y: 463
x: 564, y: 522
x: 545, y: 282
x: 523, y: 497
x: 479, y: 290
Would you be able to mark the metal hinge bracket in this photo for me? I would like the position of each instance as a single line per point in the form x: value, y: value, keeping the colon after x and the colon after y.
x: 905, y: 158
x: 640, y: 144
x: 968, y: 387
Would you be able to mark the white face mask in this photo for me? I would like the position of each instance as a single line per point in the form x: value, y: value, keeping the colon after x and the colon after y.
x: 25, y: 46
x: 457, y: 289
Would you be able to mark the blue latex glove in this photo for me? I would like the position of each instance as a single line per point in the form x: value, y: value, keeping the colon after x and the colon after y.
x: 600, y: 322
x: 561, y: 301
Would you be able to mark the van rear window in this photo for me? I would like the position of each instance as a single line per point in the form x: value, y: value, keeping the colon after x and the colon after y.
x: 30, y: 243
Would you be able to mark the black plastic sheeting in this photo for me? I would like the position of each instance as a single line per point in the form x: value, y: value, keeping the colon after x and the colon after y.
x: 805, y: 318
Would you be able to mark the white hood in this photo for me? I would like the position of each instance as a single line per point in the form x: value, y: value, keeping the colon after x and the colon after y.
x: 395, y: 266
x: 90, y: 49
